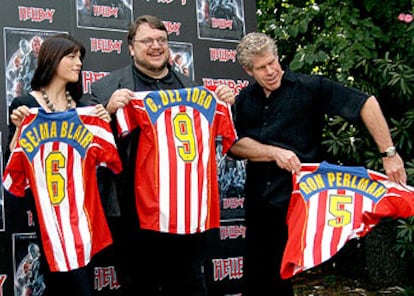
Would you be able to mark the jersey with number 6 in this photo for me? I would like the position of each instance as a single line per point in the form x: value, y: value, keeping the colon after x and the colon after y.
x: 176, y: 186
x: 56, y: 156
x: 332, y: 204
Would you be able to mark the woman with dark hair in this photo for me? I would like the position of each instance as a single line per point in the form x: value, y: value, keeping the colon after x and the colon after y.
x: 56, y: 83
x: 57, y: 87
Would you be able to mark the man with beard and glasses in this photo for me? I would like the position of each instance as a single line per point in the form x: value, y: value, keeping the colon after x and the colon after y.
x: 155, y: 263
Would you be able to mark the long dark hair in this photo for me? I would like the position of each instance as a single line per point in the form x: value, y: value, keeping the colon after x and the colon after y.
x: 53, y: 49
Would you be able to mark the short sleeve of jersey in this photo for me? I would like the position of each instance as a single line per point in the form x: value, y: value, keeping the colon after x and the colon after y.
x: 225, y: 126
x: 15, y: 178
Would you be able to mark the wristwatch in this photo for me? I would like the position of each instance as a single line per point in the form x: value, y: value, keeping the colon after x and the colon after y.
x: 389, y: 152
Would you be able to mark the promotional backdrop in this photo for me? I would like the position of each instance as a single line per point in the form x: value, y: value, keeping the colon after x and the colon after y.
x: 203, y: 35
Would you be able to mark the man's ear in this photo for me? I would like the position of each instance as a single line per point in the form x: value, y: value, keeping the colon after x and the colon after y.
x: 248, y: 71
x: 131, y: 50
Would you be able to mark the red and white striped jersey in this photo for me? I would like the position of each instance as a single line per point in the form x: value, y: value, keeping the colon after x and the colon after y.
x: 176, y: 184
x: 56, y: 156
x: 331, y: 204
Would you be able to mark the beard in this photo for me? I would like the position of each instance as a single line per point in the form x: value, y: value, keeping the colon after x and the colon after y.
x: 150, y: 67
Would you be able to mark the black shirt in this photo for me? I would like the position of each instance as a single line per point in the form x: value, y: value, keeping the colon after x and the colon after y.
x: 292, y: 117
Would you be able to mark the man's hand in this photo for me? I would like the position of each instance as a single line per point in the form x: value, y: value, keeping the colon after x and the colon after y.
x: 119, y: 99
x: 225, y: 93
x: 287, y: 160
x: 394, y: 169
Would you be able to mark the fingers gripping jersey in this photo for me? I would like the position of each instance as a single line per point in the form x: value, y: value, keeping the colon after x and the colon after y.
x: 57, y: 155
x: 176, y: 181
x: 332, y: 204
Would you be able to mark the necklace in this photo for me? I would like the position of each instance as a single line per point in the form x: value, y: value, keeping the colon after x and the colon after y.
x: 50, y: 104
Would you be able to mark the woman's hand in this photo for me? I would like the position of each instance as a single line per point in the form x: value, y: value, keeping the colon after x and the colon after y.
x: 102, y: 112
x: 18, y: 115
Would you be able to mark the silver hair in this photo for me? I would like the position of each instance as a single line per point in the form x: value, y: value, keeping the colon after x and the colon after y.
x: 254, y: 44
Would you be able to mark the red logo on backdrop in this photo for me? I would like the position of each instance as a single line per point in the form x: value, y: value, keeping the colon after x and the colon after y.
x: 222, y: 54
x: 232, y: 232
x: 106, y: 45
x: 222, y: 24
x: 30, y: 220
x: 3, y: 278
x: 106, y: 277
x: 105, y: 11
x: 231, y: 268
x: 233, y: 203
x: 89, y: 77
x: 35, y: 14
x: 183, y: 2
x: 172, y: 27
x: 236, y: 86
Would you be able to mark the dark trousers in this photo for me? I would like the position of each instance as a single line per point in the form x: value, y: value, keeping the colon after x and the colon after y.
x: 266, y: 237
x: 77, y: 282
x: 165, y: 264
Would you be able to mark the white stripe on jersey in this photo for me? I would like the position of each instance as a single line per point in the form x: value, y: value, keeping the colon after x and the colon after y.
x: 84, y: 231
x: 164, y: 176
x: 47, y: 209
x: 205, y: 160
x: 310, y: 233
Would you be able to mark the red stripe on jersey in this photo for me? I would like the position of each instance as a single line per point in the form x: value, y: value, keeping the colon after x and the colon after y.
x: 337, y: 231
x: 187, y: 183
x: 200, y: 166
x: 59, y: 213
x: 358, y: 205
x: 169, y: 125
x: 79, y: 244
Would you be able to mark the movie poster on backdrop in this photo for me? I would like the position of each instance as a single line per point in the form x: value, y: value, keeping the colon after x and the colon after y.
x: 26, y: 265
x: 2, y: 214
x: 220, y: 20
x: 109, y: 15
x: 181, y: 58
x: 21, y: 48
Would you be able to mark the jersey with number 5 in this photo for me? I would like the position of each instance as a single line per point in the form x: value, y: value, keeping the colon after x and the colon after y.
x: 56, y: 156
x: 176, y: 186
x: 330, y: 205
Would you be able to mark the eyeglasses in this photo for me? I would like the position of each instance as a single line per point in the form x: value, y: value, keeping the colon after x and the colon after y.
x: 162, y: 41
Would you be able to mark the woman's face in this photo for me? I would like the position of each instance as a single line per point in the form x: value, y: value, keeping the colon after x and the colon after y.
x: 70, y: 67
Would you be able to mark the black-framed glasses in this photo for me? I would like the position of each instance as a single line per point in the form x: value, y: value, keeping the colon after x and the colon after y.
x: 162, y: 41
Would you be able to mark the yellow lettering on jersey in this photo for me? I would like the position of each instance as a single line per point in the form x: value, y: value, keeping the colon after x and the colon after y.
x: 53, y: 129
x: 34, y: 139
x: 64, y: 129
x: 44, y: 130
x: 199, y: 97
x: 312, y: 184
x: 151, y: 104
x: 26, y: 145
x: 343, y: 180
x: 87, y: 139
x: 70, y: 131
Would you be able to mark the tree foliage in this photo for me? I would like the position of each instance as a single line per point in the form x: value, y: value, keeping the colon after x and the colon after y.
x: 361, y: 44
x: 366, y: 44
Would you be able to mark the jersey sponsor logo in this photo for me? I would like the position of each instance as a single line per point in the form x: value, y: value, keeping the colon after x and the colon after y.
x: 198, y: 98
x: 73, y: 132
x: 318, y: 182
